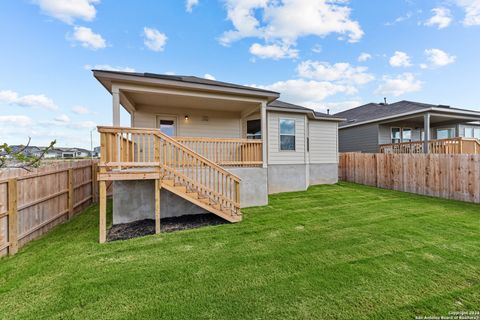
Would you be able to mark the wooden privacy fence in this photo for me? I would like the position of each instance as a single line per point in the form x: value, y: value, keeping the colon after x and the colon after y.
x: 31, y: 203
x: 449, y: 176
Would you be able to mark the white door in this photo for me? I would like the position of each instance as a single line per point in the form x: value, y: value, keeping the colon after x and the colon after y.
x: 167, y: 125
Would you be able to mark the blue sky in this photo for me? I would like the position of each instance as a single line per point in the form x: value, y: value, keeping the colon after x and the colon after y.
x: 322, y: 54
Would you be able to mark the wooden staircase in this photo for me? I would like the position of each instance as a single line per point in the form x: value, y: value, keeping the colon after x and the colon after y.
x: 134, y: 153
x: 201, y: 200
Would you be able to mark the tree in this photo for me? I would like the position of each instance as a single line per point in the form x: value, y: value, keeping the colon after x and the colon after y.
x: 19, y: 159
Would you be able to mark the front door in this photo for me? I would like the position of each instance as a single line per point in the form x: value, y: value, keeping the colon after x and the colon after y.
x: 167, y: 125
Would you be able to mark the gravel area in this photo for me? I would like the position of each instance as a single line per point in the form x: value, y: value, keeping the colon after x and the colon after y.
x: 145, y: 227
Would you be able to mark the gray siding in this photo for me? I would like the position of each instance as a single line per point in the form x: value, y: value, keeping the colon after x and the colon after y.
x: 361, y: 138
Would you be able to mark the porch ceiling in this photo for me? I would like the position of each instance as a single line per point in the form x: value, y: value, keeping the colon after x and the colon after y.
x: 191, y: 102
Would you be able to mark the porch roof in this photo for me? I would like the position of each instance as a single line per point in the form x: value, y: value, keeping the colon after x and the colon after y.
x: 106, y: 77
x: 404, y: 110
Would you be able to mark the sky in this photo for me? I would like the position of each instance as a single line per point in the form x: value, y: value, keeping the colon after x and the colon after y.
x: 322, y: 54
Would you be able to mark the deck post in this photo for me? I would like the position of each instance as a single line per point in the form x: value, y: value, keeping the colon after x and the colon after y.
x: 264, y: 133
x: 157, y: 205
x: 103, y: 212
x: 426, y: 133
x: 115, y: 106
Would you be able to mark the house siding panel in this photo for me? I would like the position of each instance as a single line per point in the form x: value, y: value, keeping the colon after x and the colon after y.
x: 323, y: 141
x: 359, y: 139
x: 275, y: 156
x: 200, y: 123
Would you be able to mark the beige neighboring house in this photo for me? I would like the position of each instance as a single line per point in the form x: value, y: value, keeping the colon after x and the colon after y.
x: 196, y: 145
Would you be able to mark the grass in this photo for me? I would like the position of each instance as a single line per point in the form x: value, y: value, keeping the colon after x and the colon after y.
x: 334, y: 252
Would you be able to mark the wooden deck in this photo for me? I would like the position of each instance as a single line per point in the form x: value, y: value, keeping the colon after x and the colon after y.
x: 442, y: 146
x: 190, y: 167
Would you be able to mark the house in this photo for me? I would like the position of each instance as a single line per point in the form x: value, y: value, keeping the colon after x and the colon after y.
x: 400, y: 128
x: 72, y: 153
x: 198, y: 145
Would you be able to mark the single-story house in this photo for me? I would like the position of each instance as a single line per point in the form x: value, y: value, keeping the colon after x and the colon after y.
x: 400, y: 128
x: 197, y: 145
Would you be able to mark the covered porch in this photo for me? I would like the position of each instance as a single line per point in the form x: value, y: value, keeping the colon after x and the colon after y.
x: 449, y: 131
x: 224, y: 124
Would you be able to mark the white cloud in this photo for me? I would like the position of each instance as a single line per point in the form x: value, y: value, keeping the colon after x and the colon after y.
x: 335, y: 107
x: 400, y: 59
x: 69, y: 10
x: 441, y: 18
x: 108, y: 67
x: 403, y: 18
x: 190, y: 4
x: 305, y: 92
x: 273, y: 51
x: 85, y: 125
x: 398, y: 85
x: 472, y: 11
x: 154, y: 39
x: 364, y: 57
x: 317, y: 48
x: 22, y: 121
x: 81, y: 110
x: 341, y: 72
x: 286, y: 21
x: 209, y: 76
x: 439, y: 58
x: 31, y: 100
x: 61, y: 119
x: 88, y: 39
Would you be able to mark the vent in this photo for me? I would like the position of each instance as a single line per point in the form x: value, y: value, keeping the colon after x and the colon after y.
x: 352, y: 120
x: 443, y: 106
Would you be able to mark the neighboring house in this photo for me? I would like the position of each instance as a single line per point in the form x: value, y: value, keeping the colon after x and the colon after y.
x: 399, y: 128
x: 243, y: 144
x: 96, y: 152
x: 71, y: 153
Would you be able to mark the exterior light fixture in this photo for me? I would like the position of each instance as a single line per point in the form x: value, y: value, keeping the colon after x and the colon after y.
x: 186, y: 117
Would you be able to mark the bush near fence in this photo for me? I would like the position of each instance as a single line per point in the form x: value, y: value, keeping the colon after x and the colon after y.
x: 31, y: 203
x: 449, y: 176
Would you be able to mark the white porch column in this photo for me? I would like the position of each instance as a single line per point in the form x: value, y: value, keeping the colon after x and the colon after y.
x: 426, y: 132
x: 264, y: 133
x: 115, y: 106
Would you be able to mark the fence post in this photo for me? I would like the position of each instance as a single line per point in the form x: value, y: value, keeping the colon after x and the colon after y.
x: 71, y: 193
x: 94, y: 182
x: 12, y: 217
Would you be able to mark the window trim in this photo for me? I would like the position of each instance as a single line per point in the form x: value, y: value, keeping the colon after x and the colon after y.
x: 280, y: 134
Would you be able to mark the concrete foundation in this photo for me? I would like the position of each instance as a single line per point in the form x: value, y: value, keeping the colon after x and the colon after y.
x: 253, y: 188
x: 324, y: 173
x: 135, y: 200
x: 287, y: 177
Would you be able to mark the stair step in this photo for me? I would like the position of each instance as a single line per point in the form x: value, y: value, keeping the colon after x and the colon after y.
x: 169, y: 182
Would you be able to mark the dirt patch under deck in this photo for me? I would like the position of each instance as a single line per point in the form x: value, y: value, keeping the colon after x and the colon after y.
x: 124, y: 231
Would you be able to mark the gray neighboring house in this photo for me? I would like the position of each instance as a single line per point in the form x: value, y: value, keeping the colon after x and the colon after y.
x: 377, y: 127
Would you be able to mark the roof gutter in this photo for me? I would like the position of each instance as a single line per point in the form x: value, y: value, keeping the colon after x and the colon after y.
x: 308, y: 112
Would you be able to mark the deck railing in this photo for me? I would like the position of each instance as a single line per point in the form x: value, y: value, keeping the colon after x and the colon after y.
x: 226, y: 152
x: 442, y: 146
x: 150, y: 152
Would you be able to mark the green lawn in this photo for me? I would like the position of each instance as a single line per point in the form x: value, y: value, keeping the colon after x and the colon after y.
x: 334, y: 252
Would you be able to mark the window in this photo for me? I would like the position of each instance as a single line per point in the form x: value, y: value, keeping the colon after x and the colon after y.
x: 287, y: 135
x: 468, y: 133
x: 254, y: 129
x: 396, y: 135
x: 446, y: 133
x: 406, y: 135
